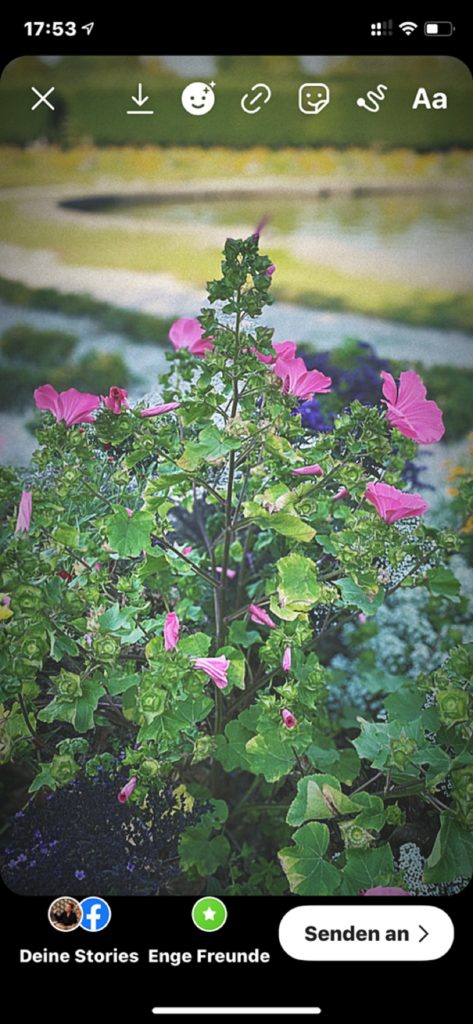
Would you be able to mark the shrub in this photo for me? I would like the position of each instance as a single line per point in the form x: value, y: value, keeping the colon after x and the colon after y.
x: 207, y: 660
x: 24, y: 344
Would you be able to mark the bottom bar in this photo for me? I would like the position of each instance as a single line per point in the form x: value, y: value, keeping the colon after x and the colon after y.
x: 237, y: 1010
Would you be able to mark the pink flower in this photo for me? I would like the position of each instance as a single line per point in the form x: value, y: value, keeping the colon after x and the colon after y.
x: 171, y: 631
x: 129, y: 511
x: 342, y: 493
x: 6, y: 600
x: 283, y: 349
x: 216, y: 668
x: 392, y: 504
x: 288, y: 718
x: 231, y: 573
x: 262, y: 224
x: 88, y: 639
x: 156, y: 410
x: 286, y: 661
x: 383, y: 890
x: 259, y: 615
x: 187, y: 333
x: 187, y: 550
x: 115, y: 399
x: 24, y: 512
x: 409, y: 410
x: 362, y: 618
x: 127, y: 790
x: 298, y: 380
x: 309, y: 471
x: 69, y: 406
x: 270, y: 270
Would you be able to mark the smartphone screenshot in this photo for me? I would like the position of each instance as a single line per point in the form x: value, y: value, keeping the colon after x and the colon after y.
x: 236, y: 514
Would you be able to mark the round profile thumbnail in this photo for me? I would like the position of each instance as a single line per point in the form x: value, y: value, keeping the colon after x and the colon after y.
x: 65, y: 914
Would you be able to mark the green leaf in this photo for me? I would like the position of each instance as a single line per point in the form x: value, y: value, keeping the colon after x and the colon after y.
x: 238, y: 634
x: 405, y: 705
x: 67, y: 535
x: 211, y: 446
x: 62, y: 644
x: 288, y: 524
x: 129, y: 535
x: 80, y: 712
x: 268, y: 755
x: 121, y: 683
x: 44, y: 778
x: 452, y: 853
x: 352, y: 594
x: 304, y: 864
x: 372, y: 815
x: 196, y: 645
x: 199, y: 853
x: 366, y: 869
x: 373, y: 743
x: 443, y: 583
x: 298, y: 590
x: 318, y: 796
x: 237, y: 667
x: 231, y: 749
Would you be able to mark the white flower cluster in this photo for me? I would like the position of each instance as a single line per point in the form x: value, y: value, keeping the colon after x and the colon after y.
x: 411, y: 865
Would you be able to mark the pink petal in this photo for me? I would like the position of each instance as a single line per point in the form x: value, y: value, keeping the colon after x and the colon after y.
x: 77, y: 406
x: 171, y: 631
x: 288, y: 718
x: 187, y: 550
x: 259, y: 615
x: 315, y: 470
x: 215, y: 668
x: 46, y: 397
x: 157, y: 410
x: 298, y: 380
x: 187, y: 333
x: 127, y: 790
x: 342, y: 493
x: 393, y: 504
x: 231, y: 573
x: 24, y: 512
x: 410, y: 411
x: 286, y: 661
x: 383, y: 890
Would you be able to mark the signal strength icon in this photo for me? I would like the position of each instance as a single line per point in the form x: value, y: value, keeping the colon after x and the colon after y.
x: 408, y: 27
x: 381, y: 28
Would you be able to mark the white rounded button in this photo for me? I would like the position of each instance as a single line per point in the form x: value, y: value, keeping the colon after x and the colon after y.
x: 340, y: 932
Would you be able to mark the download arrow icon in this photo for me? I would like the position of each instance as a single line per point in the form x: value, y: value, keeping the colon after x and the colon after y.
x: 140, y: 100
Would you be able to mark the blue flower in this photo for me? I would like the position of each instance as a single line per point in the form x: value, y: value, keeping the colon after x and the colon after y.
x: 80, y: 875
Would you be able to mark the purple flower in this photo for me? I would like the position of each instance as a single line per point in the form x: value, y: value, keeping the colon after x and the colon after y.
x: 80, y: 875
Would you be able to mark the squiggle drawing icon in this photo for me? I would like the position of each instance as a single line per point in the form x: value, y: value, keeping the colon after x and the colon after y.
x: 372, y: 97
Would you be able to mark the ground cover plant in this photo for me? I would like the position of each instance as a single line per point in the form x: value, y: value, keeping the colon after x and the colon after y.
x: 179, y: 579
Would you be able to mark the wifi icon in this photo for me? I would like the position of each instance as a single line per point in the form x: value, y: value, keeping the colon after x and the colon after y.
x: 408, y: 27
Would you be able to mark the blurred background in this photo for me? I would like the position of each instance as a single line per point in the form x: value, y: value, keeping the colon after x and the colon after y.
x: 111, y: 224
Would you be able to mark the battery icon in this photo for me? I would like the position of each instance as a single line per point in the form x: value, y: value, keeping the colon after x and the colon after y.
x: 438, y: 28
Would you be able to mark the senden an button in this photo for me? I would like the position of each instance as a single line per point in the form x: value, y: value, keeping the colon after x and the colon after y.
x: 339, y: 932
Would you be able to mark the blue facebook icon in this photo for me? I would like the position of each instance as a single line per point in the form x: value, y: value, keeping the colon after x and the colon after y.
x: 96, y: 914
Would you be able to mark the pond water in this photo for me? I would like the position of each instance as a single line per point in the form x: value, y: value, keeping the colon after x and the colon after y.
x: 429, y: 227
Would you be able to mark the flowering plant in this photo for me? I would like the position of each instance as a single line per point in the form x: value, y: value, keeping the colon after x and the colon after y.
x: 178, y: 572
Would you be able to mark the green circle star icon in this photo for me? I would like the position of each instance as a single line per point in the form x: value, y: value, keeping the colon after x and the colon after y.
x: 209, y: 914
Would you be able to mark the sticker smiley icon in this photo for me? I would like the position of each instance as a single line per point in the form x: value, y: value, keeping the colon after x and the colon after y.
x: 198, y: 98
x: 313, y: 97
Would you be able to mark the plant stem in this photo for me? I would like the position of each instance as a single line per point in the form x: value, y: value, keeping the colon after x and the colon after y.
x: 195, y: 568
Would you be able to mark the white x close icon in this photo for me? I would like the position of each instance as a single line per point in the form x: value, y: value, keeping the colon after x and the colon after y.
x: 43, y: 99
